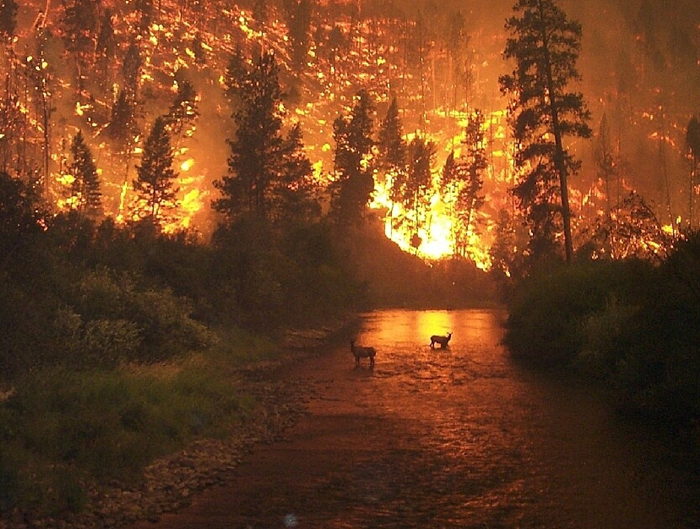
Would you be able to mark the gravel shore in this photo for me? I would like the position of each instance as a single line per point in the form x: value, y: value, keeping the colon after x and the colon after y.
x: 169, y: 483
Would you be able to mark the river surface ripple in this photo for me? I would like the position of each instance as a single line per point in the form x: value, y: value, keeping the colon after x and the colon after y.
x: 481, y: 442
x: 460, y: 437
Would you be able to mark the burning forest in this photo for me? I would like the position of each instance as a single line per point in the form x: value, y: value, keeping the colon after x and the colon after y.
x: 101, y: 73
x: 189, y: 188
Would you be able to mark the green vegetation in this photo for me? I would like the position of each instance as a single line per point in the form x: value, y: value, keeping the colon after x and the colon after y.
x: 62, y: 430
x: 630, y: 324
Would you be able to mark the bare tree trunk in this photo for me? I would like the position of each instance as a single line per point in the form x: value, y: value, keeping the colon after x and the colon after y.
x: 559, y: 147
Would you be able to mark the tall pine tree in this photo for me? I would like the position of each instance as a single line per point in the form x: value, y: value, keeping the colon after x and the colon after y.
x: 156, y: 177
x: 472, y: 165
x: 545, y: 45
x: 257, y: 151
x: 418, y: 186
x: 85, y: 189
x: 392, y: 155
x: 296, y: 201
x: 352, y: 188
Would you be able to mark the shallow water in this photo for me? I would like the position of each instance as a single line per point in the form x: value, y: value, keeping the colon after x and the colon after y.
x: 488, y: 444
x: 452, y: 438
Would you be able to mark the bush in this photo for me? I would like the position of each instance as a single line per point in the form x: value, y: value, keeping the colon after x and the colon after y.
x: 548, y: 313
x: 605, y: 337
x: 123, y: 322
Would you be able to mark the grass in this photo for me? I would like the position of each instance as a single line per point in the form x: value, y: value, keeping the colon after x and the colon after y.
x: 62, y: 430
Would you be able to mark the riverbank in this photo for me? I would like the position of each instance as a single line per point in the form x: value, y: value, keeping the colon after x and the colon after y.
x: 170, y: 482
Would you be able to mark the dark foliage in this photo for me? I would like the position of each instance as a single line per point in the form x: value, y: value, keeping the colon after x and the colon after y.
x: 629, y: 323
x: 545, y: 46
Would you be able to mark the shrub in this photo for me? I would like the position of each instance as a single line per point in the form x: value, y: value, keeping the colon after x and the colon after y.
x: 109, y: 342
x: 549, y: 311
x: 605, y: 338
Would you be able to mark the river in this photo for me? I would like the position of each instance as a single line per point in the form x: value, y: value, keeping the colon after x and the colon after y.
x: 460, y: 437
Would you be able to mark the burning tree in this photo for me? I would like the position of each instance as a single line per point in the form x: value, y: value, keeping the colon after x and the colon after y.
x: 545, y: 46
x: 154, y: 183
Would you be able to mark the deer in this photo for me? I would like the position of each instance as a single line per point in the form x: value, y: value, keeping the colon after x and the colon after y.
x: 362, y: 352
x: 442, y: 340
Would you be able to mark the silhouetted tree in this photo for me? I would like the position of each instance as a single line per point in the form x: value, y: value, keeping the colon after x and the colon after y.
x: 154, y: 184
x: 298, y: 16
x: 458, y: 52
x: 411, y: 187
x: 391, y: 144
x: 337, y: 45
x: 12, y: 123
x: 86, y: 196
x: 692, y: 141
x: 605, y: 162
x: 471, y: 167
x: 105, y: 48
x: 296, y: 200
x: 41, y: 75
x: 122, y: 124
x: 392, y: 153
x: 131, y: 69
x: 80, y: 23
x: 418, y: 185
x: 236, y: 72
x: 506, y: 257
x: 19, y: 215
x: 257, y: 153
x: 353, y: 185
x: 545, y: 46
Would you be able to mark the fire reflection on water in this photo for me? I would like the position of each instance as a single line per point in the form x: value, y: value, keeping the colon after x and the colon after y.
x: 491, y: 444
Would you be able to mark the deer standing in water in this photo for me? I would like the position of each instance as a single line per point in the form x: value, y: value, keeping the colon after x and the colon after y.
x: 442, y: 340
x: 362, y: 352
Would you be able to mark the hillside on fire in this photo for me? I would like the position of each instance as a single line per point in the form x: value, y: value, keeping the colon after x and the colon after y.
x: 107, y: 70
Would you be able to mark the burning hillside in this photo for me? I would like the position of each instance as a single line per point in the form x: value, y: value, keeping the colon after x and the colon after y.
x: 69, y: 63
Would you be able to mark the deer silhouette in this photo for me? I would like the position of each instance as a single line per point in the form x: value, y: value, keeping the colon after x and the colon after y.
x: 362, y: 352
x: 442, y: 340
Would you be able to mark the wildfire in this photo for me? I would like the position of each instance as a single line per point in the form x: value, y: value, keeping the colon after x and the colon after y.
x: 374, y: 59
